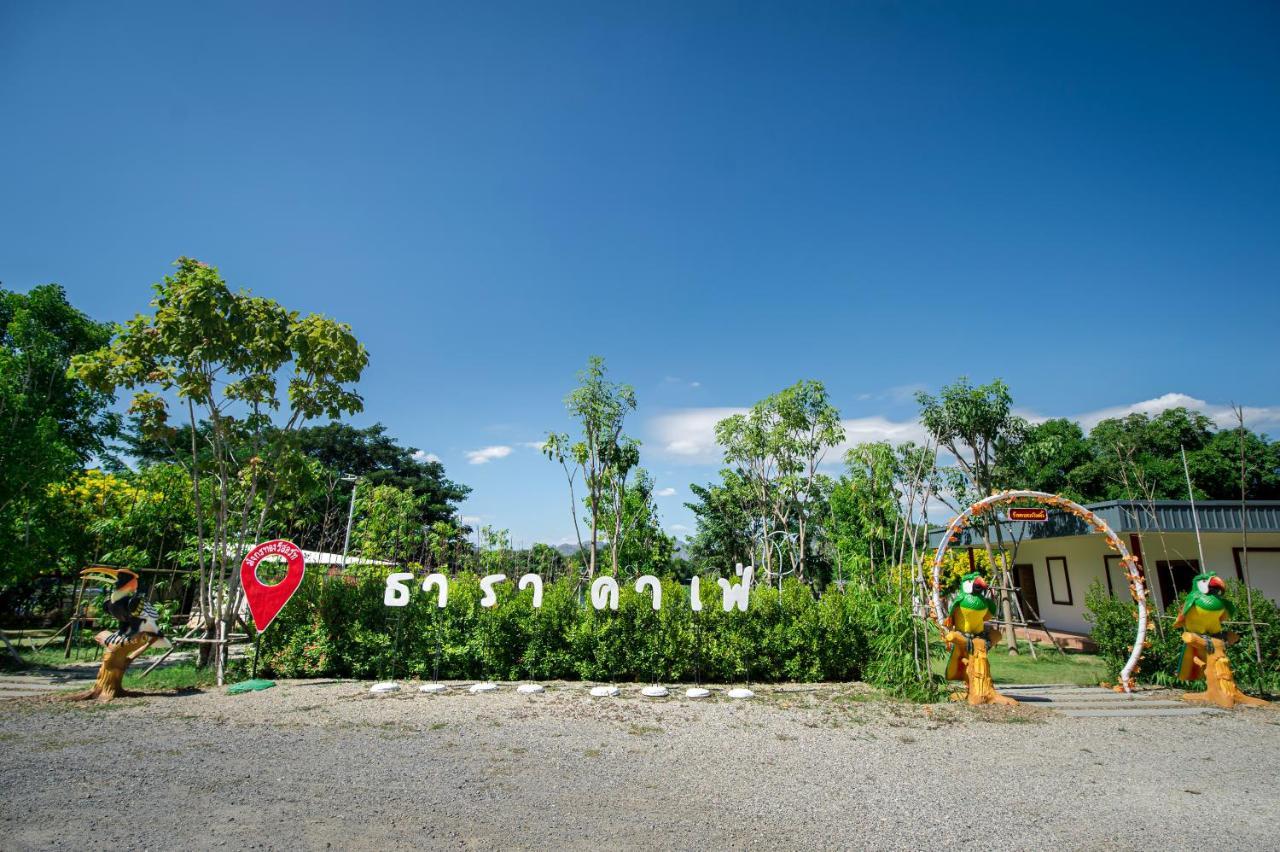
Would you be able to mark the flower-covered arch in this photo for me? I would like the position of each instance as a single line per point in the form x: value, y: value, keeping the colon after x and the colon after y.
x: 1136, y: 586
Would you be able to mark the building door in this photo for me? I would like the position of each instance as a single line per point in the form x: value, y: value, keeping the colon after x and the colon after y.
x: 1175, y: 578
x: 1026, y: 576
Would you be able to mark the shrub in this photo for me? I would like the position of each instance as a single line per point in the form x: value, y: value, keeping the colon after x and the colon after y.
x: 1115, y: 622
x: 339, y: 627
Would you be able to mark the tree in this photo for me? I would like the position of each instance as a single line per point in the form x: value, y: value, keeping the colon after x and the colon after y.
x: 643, y: 548
x: 388, y: 525
x: 1140, y: 457
x: 52, y: 424
x: 318, y: 470
x: 377, y: 458
x: 220, y: 354
x: 602, y: 454
x: 1055, y: 456
x: 776, y: 448
x: 727, y: 525
x: 978, y: 427
x: 874, y: 507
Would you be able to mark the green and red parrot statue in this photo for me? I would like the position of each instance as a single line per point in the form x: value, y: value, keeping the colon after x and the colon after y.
x: 1205, y: 657
x: 967, y: 636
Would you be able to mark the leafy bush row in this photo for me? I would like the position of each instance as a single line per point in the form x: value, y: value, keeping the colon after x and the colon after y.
x: 1114, y: 623
x: 335, y: 627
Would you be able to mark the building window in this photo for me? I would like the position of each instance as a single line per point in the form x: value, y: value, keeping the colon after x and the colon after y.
x: 1059, y: 580
x: 1117, y: 577
x: 1175, y: 578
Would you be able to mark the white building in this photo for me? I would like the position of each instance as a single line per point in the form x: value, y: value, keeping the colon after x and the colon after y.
x: 1058, y: 560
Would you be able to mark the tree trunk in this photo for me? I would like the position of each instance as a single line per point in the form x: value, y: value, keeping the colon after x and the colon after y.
x: 115, y: 662
x: 1006, y: 583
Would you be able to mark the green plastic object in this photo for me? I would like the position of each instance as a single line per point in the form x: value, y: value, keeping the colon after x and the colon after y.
x: 250, y: 686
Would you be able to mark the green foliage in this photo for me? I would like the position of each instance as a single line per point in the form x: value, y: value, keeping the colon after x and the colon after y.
x: 727, y: 523
x: 387, y: 524
x: 602, y: 454
x: 1114, y: 625
x: 775, y: 449
x: 51, y: 423
x: 1140, y: 457
x: 222, y: 354
x: 978, y: 427
x: 378, y: 459
x: 340, y: 627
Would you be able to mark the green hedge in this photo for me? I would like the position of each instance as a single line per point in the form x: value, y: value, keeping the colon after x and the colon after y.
x: 1114, y: 623
x: 341, y: 628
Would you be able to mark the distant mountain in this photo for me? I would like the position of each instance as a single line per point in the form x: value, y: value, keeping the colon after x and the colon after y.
x: 572, y: 549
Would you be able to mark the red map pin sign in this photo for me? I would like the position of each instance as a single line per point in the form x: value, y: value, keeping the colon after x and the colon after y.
x: 265, y: 602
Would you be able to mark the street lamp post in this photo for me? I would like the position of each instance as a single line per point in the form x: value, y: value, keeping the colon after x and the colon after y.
x: 351, y: 514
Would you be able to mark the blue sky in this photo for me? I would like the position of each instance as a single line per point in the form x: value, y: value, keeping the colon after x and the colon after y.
x: 719, y: 198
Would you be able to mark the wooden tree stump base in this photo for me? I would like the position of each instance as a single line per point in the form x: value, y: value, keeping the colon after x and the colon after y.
x: 977, y: 673
x: 115, y: 662
x: 1220, y: 681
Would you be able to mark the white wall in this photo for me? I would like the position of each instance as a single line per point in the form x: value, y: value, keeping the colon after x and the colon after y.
x: 1085, y: 557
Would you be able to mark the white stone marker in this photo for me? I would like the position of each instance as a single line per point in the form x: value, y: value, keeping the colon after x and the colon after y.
x: 604, y: 692
x: 740, y: 692
x: 654, y: 692
x: 530, y: 689
x: 478, y: 688
x: 696, y: 692
x: 386, y: 686
x: 433, y: 688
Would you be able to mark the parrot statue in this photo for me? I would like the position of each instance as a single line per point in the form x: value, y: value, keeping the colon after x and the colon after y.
x: 1202, y: 614
x: 968, y: 614
x: 124, y: 602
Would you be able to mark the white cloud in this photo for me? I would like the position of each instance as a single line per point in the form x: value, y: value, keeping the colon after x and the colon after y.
x: 665, y: 492
x: 420, y: 456
x: 488, y: 454
x: 534, y: 445
x: 689, y: 435
x: 677, y: 528
x: 1258, y: 418
x: 470, y: 520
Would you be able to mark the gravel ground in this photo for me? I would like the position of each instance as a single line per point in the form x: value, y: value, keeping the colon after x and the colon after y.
x: 320, y: 764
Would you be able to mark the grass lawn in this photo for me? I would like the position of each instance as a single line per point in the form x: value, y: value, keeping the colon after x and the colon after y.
x: 1048, y: 667
x: 180, y: 675
x: 177, y: 676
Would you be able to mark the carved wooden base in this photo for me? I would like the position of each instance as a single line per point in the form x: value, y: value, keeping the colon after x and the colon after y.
x: 115, y: 662
x: 1220, y: 681
x: 977, y: 671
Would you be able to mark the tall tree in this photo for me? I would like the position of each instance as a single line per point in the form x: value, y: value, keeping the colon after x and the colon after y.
x: 643, y: 547
x: 602, y: 454
x: 978, y: 427
x: 220, y: 354
x: 776, y: 448
x: 52, y: 423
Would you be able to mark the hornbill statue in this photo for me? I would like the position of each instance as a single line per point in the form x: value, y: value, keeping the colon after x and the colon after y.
x: 127, y: 605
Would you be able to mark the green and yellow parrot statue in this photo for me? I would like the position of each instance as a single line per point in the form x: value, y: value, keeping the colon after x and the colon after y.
x: 1205, y: 657
x: 968, y: 615
x: 1202, y: 614
x: 967, y: 636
